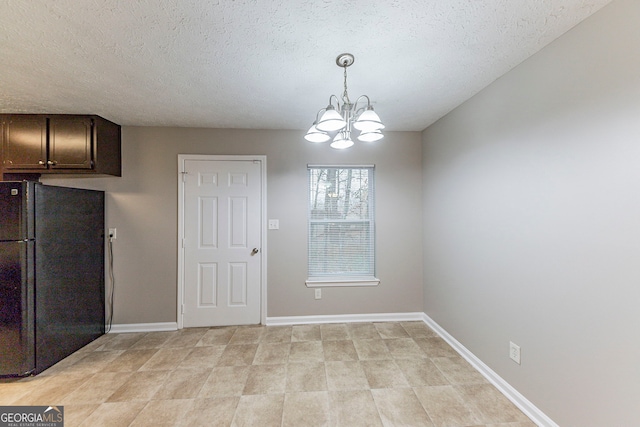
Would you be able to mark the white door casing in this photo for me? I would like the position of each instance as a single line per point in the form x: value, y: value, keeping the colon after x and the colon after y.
x: 221, y: 240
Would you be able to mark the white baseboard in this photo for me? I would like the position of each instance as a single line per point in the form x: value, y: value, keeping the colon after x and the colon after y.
x: 144, y: 327
x: 344, y: 318
x: 529, y: 409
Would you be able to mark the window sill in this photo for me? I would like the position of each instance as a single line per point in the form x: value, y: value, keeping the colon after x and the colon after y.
x: 338, y: 282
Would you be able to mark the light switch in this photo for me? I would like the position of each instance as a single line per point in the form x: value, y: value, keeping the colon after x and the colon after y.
x: 274, y: 224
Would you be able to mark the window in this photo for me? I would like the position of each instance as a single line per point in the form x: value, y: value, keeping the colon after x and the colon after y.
x: 341, y: 226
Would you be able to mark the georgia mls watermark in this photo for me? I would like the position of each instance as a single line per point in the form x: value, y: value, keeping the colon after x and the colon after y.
x: 31, y: 416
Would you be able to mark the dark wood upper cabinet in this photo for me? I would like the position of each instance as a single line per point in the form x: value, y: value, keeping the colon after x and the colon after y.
x: 24, y: 143
x: 70, y: 143
x: 34, y: 143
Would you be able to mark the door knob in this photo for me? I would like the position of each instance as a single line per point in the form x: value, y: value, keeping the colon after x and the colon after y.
x: 254, y: 251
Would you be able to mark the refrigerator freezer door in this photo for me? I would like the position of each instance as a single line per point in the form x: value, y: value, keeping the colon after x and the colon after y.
x: 17, y: 348
x: 15, y: 222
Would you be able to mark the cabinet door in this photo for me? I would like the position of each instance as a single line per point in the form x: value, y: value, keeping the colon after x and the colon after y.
x: 70, y: 143
x: 25, y: 142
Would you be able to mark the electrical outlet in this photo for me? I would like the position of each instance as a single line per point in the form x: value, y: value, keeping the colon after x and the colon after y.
x: 514, y: 352
x: 112, y: 233
x: 318, y: 293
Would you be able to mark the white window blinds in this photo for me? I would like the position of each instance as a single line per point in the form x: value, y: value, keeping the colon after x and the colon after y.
x: 341, y: 222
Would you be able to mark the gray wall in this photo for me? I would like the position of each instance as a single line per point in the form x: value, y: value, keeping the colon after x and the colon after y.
x: 142, y: 205
x: 532, y: 223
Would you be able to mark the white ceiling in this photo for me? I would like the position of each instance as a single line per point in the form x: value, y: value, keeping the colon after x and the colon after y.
x: 265, y: 64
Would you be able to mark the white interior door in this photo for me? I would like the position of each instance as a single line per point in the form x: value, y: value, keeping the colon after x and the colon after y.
x: 222, y: 242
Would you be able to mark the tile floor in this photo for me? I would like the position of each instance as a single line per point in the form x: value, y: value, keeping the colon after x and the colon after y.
x: 354, y: 374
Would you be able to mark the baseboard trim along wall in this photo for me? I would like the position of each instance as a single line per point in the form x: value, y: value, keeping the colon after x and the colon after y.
x: 529, y: 409
x: 288, y: 320
x: 144, y: 327
x: 344, y: 318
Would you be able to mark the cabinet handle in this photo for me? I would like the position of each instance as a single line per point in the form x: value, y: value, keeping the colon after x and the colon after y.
x: 41, y: 162
x: 52, y: 162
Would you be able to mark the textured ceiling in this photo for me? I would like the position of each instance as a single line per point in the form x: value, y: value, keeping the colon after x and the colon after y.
x: 264, y: 64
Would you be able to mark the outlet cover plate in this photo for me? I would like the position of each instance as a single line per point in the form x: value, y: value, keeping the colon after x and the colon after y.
x: 514, y: 352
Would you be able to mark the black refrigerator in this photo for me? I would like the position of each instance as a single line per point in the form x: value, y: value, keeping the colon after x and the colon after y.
x: 52, y: 244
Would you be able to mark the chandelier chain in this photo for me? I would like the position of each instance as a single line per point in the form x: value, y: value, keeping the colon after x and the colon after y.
x: 345, y: 95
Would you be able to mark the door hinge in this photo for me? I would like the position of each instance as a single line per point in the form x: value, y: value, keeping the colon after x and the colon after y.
x: 182, y: 309
x: 183, y: 243
x: 184, y: 176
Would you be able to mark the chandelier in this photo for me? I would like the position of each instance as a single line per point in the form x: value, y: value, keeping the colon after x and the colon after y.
x: 339, y: 120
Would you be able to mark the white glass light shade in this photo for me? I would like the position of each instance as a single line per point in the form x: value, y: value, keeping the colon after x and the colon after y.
x: 315, y: 135
x: 370, y: 136
x: 368, y: 121
x: 331, y: 120
x: 342, y: 141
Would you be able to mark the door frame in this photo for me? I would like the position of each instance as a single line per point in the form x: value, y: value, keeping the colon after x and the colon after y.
x: 182, y: 158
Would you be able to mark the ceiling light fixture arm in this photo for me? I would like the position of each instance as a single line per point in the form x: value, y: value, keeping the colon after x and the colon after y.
x: 361, y: 109
x: 337, y: 106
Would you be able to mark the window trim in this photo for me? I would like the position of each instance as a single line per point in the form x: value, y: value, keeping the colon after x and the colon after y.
x: 317, y: 282
x: 346, y: 280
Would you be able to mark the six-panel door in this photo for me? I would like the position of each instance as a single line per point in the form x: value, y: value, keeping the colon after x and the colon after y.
x: 222, y: 235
